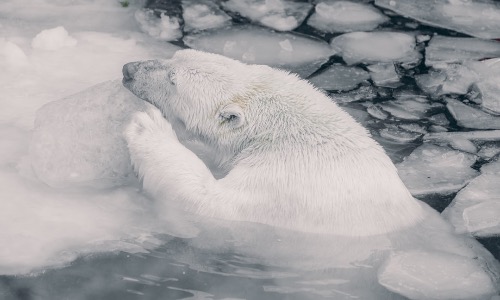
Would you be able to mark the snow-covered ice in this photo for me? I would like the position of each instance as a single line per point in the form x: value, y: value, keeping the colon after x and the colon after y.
x: 43, y: 226
x: 77, y: 141
x: 53, y: 39
x: 282, y: 15
x: 256, y: 45
x: 470, y: 117
x: 339, y: 77
x: 432, y: 169
x: 444, y: 49
x: 476, y: 18
x: 431, y: 275
x: 374, y: 47
x: 165, y: 28
x: 476, y: 208
x: 202, y: 15
x: 345, y: 16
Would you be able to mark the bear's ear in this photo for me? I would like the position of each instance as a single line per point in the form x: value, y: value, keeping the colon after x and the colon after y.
x: 233, y: 115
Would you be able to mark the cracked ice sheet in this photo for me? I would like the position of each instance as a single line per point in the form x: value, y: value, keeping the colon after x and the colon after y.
x: 345, y: 16
x: 432, y: 169
x: 476, y: 208
x: 480, y: 18
x: 470, y: 117
x: 282, y: 15
x: 374, y: 47
x: 257, y: 45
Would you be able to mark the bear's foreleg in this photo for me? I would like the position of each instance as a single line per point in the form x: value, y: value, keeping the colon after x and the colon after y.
x: 169, y: 170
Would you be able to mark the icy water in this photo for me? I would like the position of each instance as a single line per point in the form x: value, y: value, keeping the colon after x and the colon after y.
x: 427, y: 86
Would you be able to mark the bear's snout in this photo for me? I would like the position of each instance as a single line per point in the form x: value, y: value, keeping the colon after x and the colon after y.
x: 129, y: 70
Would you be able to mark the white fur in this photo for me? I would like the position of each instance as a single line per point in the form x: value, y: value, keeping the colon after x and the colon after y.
x: 291, y: 156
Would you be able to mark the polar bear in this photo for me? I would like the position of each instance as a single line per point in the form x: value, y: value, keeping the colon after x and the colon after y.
x: 287, y: 156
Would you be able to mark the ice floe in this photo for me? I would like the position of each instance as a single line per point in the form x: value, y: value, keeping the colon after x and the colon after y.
x: 476, y: 208
x: 345, y: 16
x: 470, y: 117
x: 384, y: 74
x: 400, y: 135
x: 165, y: 28
x: 444, y: 49
x: 408, y: 109
x: 420, y: 274
x: 475, y: 18
x: 432, y: 169
x: 203, y: 15
x: 282, y: 15
x: 255, y: 45
x: 339, y: 77
x: 375, y: 47
x: 77, y: 141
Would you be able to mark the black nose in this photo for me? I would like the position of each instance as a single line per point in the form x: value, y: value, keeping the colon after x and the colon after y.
x: 129, y: 70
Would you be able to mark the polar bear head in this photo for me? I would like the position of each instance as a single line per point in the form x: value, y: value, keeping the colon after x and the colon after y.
x: 231, y: 104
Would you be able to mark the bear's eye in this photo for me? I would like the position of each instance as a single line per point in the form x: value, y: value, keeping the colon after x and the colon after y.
x: 171, y: 77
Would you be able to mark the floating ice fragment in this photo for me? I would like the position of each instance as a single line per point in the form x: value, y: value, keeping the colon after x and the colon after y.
x: 202, y: 15
x: 435, y: 275
x: 439, y: 119
x: 345, y: 16
x: 384, y: 75
x: 431, y: 169
x: 407, y: 109
x: 377, y: 112
x: 443, y: 49
x: 164, y: 28
x: 489, y: 150
x: 363, y: 93
x: 53, y: 39
x: 374, y: 47
x: 487, y: 135
x: 282, y: 15
x: 470, y: 117
x: 293, y: 52
x: 396, y: 134
x: 476, y: 18
x: 448, y: 79
x: 476, y: 208
x: 77, y: 141
x: 339, y: 77
x: 488, y: 85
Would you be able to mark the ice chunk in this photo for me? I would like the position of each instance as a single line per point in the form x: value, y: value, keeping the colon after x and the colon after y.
x: 202, y: 15
x: 363, y: 93
x: 470, y: 117
x: 53, y: 39
x: 384, y: 75
x: 397, y: 134
x: 487, y: 135
x: 435, y: 275
x: 377, y: 112
x: 443, y: 49
x: 345, y: 16
x: 489, y: 150
x: 476, y: 208
x: 448, y: 79
x: 282, y: 15
x: 476, y: 18
x: 374, y: 47
x: 165, y: 28
x: 407, y: 109
x: 77, y: 141
x: 249, y: 44
x: 439, y: 119
x: 431, y: 169
x: 488, y: 84
x: 341, y: 78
